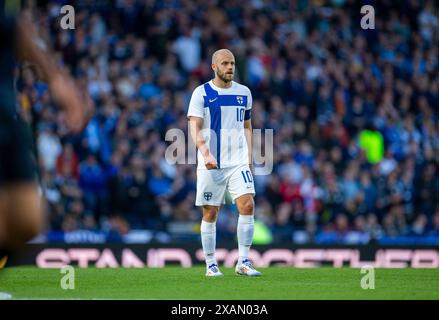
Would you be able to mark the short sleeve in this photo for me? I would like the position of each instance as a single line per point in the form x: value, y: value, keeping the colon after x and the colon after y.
x: 248, y: 109
x: 249, y: 100
x: 196, y: 105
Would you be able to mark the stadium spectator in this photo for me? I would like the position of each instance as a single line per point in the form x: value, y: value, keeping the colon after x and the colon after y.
x: 354, y: 112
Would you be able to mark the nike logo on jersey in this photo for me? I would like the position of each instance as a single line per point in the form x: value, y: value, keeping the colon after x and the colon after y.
x: 212, y: 100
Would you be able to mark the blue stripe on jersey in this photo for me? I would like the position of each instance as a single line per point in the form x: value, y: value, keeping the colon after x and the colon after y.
x: 212, y: 102
x: 247, y: 114
x: 228, y: 100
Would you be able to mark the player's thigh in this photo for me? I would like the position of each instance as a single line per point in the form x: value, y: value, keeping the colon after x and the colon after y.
x: 211, y: 187
x: 241, y: 183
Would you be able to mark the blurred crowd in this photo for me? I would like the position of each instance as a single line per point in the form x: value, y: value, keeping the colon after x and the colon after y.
x: 355, y: 114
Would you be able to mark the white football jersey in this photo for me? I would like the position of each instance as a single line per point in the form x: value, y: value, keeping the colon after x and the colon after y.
x: 224, y: 112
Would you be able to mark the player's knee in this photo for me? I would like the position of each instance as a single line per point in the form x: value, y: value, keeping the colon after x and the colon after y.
x: 210, y: 214
x: 33, y: 227
x: 25, y: 225
x: 247, y: 206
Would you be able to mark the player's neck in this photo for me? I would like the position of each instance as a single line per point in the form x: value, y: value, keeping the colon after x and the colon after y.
x: 222, y: 84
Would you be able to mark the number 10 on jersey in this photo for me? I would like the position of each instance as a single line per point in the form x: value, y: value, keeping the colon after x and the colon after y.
x: 240, y: 114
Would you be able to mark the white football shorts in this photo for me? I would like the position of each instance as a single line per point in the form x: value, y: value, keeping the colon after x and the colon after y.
x: 220, y: 186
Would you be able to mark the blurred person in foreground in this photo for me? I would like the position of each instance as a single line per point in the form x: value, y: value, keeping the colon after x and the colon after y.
x: 21, y: 203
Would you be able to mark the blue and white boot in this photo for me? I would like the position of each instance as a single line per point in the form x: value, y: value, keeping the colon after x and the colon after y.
x: 213, y: 271
x: 245, y: 268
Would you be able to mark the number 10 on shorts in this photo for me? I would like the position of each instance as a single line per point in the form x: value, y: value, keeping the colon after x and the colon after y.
x: 247, y: 176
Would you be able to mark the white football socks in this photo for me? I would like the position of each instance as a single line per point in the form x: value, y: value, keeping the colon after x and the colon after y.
x: 208, y: 240
x: 245, y: 230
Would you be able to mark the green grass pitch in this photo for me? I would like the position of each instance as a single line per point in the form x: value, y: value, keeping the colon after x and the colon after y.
x: 280, y: 283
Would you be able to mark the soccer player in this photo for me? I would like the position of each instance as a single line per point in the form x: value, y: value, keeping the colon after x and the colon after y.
x: 220, y: 125
x: 21, y: 213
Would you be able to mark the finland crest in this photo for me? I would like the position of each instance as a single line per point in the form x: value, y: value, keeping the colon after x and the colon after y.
x: 240, y: 99
x: 208, y: 196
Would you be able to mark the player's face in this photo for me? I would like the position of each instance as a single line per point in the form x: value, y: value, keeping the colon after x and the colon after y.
x: 225, y: 68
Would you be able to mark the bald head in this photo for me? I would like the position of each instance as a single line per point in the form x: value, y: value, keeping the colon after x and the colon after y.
x: 223, y: 64
x: 221, y: 54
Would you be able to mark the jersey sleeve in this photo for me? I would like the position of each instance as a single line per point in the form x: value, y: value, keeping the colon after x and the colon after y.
x: 196, y: 105
x: 248, y: 109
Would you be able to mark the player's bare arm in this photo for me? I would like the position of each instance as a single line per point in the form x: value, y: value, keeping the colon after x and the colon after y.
x: 78, y: 108
x: 248, y: 137
x: 195, y: 126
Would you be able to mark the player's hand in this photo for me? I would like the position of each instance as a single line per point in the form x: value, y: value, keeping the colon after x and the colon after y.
x: 78, y: 108
x: 210, y: 162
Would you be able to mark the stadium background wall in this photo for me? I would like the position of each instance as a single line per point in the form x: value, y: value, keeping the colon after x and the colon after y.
x: 187, y: 255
